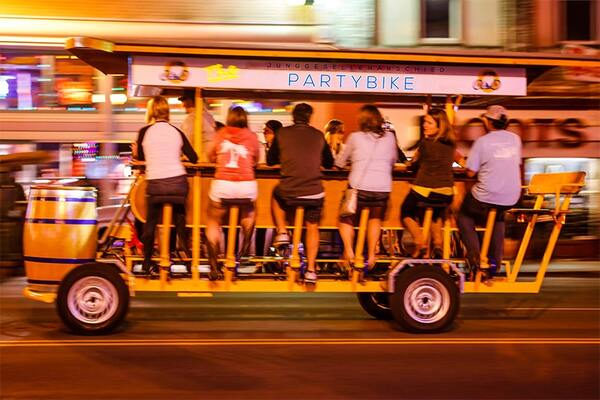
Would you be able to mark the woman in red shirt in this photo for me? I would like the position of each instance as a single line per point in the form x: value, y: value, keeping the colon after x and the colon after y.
x: 235, y: 150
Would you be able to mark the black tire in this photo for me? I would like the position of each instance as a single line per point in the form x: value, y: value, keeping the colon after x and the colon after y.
x: 376, y: 304
x: 93, y: 299
x: 425, y: 300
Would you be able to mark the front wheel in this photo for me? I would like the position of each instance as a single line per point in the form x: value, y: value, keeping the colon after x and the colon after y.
x: 425, y: 299
x: 376, y: 304
x: 93, y: 299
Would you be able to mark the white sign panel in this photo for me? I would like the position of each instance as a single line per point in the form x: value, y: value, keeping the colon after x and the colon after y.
x: 327, y: 77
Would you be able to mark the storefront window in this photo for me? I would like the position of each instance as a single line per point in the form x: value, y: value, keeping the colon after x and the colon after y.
x: 45, y: 81
x: 584, y: 218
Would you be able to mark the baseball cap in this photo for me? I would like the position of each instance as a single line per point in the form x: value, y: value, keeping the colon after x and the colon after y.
x: 495, y: 112
x: 189, y: 94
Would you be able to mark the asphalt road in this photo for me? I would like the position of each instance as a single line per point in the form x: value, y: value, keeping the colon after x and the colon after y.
x: 307, y: 346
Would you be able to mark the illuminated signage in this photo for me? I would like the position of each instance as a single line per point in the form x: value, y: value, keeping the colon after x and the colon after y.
x: 327, y: 77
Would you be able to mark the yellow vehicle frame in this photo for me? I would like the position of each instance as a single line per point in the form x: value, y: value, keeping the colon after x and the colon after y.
x: 562, y: 186
x: 111, y: 58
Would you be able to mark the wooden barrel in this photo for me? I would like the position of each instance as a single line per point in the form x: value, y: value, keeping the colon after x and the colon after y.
x: 59, y: 232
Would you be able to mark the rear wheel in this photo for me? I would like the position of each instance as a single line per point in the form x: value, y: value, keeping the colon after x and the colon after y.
x: 93, y: 299
x: 426, y: 299
x: 376, y: 304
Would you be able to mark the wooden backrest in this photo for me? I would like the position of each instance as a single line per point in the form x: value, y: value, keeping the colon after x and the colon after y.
x: 561, y: 182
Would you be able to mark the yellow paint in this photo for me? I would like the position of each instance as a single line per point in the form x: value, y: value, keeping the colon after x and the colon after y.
x: 54, y: 240
x: 254, y: 285
x: 547, y: 60
x: 194, y: 294
x: 359, y: 259
x: 231, y: 236
x: 216, y: 73
x: 298, y: 223
x: 487, y: 237
x: 44, y: 297
x: 165, y: 239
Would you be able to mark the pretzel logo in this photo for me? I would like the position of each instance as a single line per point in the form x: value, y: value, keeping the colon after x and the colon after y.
x: 487, y: 81
x: 175, y: 72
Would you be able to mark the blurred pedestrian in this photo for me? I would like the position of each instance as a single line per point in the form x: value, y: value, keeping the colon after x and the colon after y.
x: 208, y: 123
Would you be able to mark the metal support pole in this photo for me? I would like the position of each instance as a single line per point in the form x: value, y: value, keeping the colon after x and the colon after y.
x: 165, y: 241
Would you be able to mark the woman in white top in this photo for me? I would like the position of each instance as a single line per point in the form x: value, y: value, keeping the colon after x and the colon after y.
x: 371, y: 153
x: 160, y: 145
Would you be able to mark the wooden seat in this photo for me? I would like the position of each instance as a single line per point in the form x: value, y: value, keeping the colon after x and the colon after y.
x: 428, y: 217
x: 236, y: 202
x: 234, y: 212
x: 562, y: 184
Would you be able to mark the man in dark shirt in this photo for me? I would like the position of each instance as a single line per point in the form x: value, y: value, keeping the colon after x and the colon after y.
x: 301, y: 150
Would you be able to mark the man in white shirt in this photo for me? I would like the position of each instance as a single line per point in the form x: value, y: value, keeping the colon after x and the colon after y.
x: 208, y: 123
x: 496, y: 159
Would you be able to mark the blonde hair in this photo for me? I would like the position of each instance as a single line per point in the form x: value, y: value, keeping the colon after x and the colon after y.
x: 445, y: 129
x: 157, y: 109
x: 237, y: 116
x: 334, y: 126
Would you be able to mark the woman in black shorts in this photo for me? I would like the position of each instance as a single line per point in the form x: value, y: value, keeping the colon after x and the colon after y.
x: 434, y: 183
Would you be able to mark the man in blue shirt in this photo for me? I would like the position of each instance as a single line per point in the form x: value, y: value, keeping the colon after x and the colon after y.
x: 495, y: 158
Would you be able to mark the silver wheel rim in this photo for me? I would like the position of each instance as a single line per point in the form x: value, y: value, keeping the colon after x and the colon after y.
x: 93, y: 300
x: 426, y: 300
x: 380, y: 301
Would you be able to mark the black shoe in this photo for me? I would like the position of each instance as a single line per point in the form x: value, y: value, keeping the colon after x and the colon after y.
x: 472, y: 269
x: 420, y: 254
x: 486, y: 274
x: 437, y: 254
x: 148, y: 269
x: 214, y: 273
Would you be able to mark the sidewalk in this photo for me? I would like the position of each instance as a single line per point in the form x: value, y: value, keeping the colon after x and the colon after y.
x: 563, y: 268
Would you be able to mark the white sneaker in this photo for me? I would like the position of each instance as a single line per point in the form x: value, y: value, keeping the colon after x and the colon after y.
x: 310, y: 277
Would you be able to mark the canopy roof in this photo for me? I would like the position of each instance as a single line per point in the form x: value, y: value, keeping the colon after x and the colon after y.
x: 118, y: 58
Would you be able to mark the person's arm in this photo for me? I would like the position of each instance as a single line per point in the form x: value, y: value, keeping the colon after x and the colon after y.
x: 414, y: 161
x: 459, y: 158
x: 259, y: 151
x: 187, y: 148
x: 341, y: 161
x: 401, y: 158
x: 137, y: 148
x: 326, y: 156
x: 273, y: 157
x: 473, y: 160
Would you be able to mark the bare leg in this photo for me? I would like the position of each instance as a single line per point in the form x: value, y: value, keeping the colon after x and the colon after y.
x: 347, y: 234
x: 278, y: 216
x: 213, y: 233
x: 247, y: 223
x: 373, y: 231
x: 415, y: 230
x: 312, y: 244
x: 436, y: 233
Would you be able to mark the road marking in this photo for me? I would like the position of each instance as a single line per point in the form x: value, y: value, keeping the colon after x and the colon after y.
x: 552, y: 308
x: 298, y: 342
